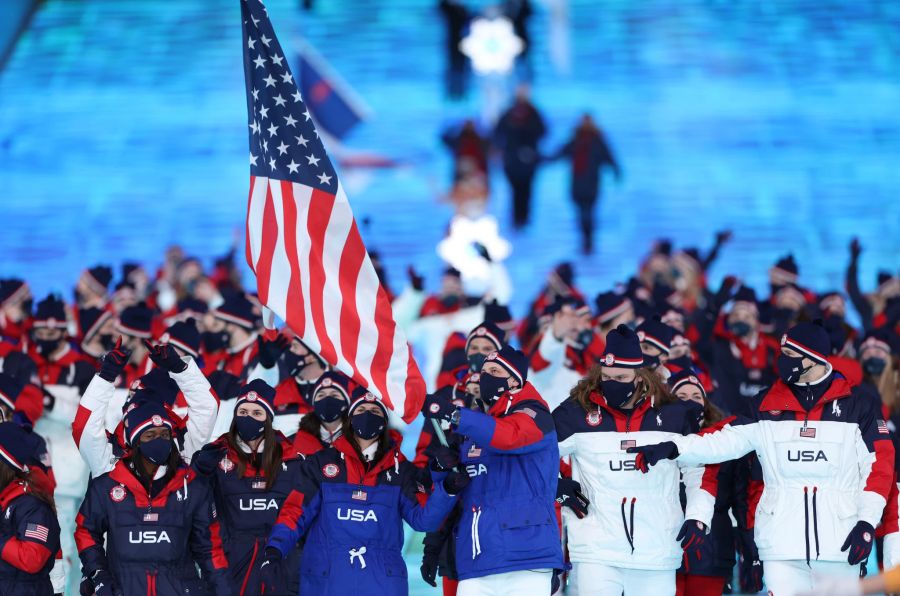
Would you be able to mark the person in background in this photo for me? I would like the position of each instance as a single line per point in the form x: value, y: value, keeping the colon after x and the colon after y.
x: 29, y: 532
x: 518, y: 132
x: 350, y: 505
x: 466, y: 143
x: 96, y: 330
x: 252, y: 469
x: 15, y: 309
x: 144, y: 525
x: 560, y: 284
x: 456, y: 18
x: 450, y: 298
x: 589, y: 154
x: 134, y: 326
x: 58, y: 363
x: 877, y: 308
x: 92, y: 288
x: 230, y: 335
x: 330, y: 402
x: 881, y: 379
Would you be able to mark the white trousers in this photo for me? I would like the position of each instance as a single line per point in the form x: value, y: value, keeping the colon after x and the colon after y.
x: 528, y: 582
x: 786, y: 578
x: 596, y: 579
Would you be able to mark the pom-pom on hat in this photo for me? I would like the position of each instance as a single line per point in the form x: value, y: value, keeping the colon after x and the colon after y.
x: 14, y: 445
x: 623, y: 349
x: 257, y: 392
x: 146, y: 414
x: 810, y: 339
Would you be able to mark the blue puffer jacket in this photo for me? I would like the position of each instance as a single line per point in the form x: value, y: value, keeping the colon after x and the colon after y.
x: 508, y: 519
x: 352, y: 514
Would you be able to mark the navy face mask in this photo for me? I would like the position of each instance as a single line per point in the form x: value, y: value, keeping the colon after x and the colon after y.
x: 492, y: 387
x: 248, y: 428
x: 682, y: 362
x: 874, y: 366
x: 157, y: 450
x: 475, y: 361
x: 367, y: 425
x: 741, y: 328
x: 790, y: 368
x: 215, y: 340
x: 330, y: 408
x: 617, y: 393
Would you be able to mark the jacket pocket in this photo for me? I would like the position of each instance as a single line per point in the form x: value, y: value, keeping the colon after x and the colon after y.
x: 528, y: 532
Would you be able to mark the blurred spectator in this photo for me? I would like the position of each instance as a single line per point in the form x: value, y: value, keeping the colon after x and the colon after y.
x: 456, y: 19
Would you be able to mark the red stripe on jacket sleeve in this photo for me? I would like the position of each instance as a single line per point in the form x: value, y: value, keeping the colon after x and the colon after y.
x: 218, y: 553
x: 291, y: 510
x: 881, y: 476
x: 83, y: 538
x: 515, y: 431
x: 27, y: 556
x: 81, y: 418
x: 754, y: 493
x: 710, y: 480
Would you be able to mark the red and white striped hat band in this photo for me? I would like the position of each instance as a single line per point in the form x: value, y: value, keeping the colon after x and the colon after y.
x: 643, y: 336
x: 95, y: 284
x: 252, y: 397
x: 51, y: 323
x: 168, y: 339
x: 230, y: 318
x: 613, y: 360
x: 6, y: 455
x: 614, y: 312
x: 93, y: 329
x: 496, y: 357
x: 835, y: 300
x: 23, y: 289
x: 368, y: 398
x: 485, y: 334
x: 874, y: 342
x: 691, y: 380
x: 155, y: 421
x: 788, y: 342
x: 7, y: 401
x: 328, y: 383
x: 126, y: 330
x: 782, y: 275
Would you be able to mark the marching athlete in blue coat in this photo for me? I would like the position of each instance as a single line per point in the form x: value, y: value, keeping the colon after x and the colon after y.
x: 252, y: 469
x: 29, y: 532
x: 350, y: 505
x: 143, y: 525
x: 507, y: 540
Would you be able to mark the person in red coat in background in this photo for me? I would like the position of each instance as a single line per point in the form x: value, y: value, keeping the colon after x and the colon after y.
x: 134, y: 325
x: 96, y: 333
x: 450, y: 298
x: 560, y: 284
x: 58, y: 363
x: 230, y: 336
x: 15, y: 309
x: 29, y: 532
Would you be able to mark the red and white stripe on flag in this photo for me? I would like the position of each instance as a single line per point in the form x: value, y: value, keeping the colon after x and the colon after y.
x: 37, y: 531
x: 313, y: 271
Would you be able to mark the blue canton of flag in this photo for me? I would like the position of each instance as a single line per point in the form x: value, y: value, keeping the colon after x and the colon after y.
x: 284, y: 143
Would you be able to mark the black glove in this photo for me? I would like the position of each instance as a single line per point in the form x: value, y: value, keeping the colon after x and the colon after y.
x: 859, y: 542
x: 750, y: 568
x: 568, y: 494
x: 270, y: 577
x: 165, y: 357
x: 270, y: 351
x: 439, y: 404
x: 444, y: 458
x: 114, y: 362
x: 206, y: 460
x: 415, y: 280
x: 723, y: 236
x: 456, y: 482
x: 692, y: 534
x: 104, y: 584
x: 723, y: 295
x: 855, y: 249
x: 429, y: 568
x: 650, y: 455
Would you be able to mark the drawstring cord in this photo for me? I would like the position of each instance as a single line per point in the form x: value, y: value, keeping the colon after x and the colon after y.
x: 806, y: 522
x: 629, y: 535
x: 396, y: 463
x: 476, y: 539
x: 357, y: 553
x: 815, y: 522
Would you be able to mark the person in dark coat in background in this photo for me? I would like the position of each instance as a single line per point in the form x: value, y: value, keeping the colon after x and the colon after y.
x: 518, y: 132
x: 590, y: 155
x: 456, y: 18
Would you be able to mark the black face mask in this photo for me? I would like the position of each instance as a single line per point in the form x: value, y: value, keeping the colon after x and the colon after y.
x: 107, y: 342
x: 874, y: 366
x: 26, y: 306
x: 367, y: 425
x: 475, y: 361
x: 682, y: 362
x: 741, y: 328
x: 651, y: 362
x: 584, y: 339
x: 157, y: 450
x: 249, y: 428
x: 492, y: 387
x: 450, y: 301
x: 77, y: 296
x: 330, y: 408
x: 617, y: 393
x: 45, y: 347
x: 214, y: 341
x: 790, y: 369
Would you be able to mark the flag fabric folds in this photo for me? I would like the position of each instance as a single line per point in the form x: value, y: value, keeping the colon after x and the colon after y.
x: 303, y: 244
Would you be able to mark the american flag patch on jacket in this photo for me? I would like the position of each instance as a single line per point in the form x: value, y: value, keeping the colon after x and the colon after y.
x: 359, y: 495
x: 808, y: 432
x: 627, y: 444
x: 37, y: 531
x: 882, y: 427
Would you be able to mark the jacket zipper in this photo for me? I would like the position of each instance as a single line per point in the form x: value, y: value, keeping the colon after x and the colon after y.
x: 250, y: 568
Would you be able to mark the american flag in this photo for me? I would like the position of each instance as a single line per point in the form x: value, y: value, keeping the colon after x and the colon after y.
x: 808, y: 432
x: 37, y: 531
x: 311, y: 265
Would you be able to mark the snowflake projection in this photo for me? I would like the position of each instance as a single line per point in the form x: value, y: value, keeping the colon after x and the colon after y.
x: 492, y: 45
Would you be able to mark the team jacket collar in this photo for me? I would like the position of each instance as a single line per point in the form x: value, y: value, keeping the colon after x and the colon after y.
x: 13, y: 491
x: 357, y: 468
x: 513, y: 398
x: 288, y: 392
x: 288, y: 451
x: 124, y: 476
x: 780, y: 396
